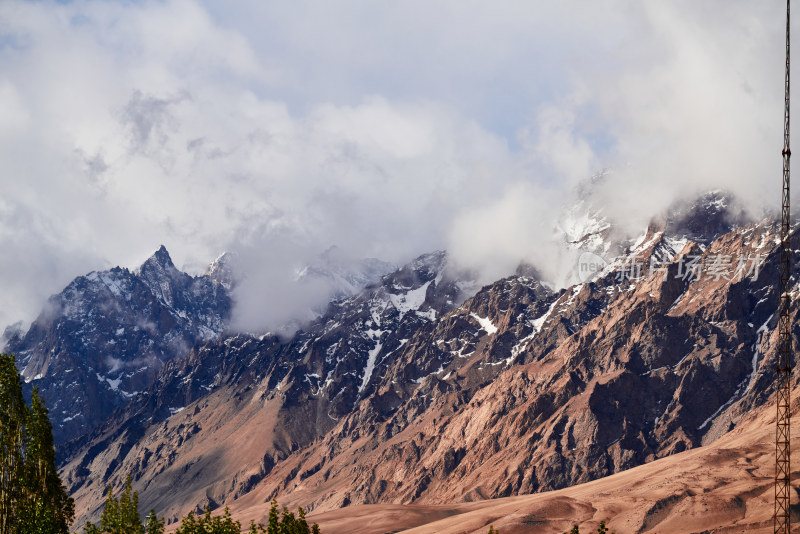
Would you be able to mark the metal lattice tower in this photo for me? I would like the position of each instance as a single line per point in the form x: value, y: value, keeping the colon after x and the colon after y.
x: 782, y: 521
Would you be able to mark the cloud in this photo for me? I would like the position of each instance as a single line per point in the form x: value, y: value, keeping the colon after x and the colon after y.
x: 278, y: 130
x: 705, y: 114
x: 693, y: 103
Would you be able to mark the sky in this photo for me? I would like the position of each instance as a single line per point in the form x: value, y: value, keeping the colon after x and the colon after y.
x: 389, y: 129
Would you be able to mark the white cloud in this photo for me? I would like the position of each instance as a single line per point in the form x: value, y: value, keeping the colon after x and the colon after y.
x: 280, y: 129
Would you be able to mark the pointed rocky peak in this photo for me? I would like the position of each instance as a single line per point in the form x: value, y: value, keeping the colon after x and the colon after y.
x: 221, y: 263
x: 528, y: 270
x: 583, y: 224
x: 159, y: 267
x: 160, y: 258
x: 429, y: 266
x: 162, y: 277
x: 12, y: 334
x: 428, y: 284
x: 419, y: 272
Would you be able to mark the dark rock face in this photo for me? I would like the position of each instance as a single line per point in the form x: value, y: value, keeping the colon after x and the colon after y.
x: 705, y: 218
x: 104, y: 338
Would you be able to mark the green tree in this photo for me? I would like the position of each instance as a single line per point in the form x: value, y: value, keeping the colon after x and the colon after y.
x: 121, y: 515
x: 209, y: 524
x: 129, y: 522
x: 32, y: 497
x: 492, y: 530
x: 13, y: 414
x: 273, y: 527
x: 602, y: 529
x: 109, y: 521
x: 287, y: 524
x: 153, y: 525
x: 50, y: 509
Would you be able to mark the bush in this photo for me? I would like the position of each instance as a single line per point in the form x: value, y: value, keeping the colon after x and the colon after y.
x: 601, y: 530
x: 288, y: 523
x: 209, y: 525
x: 121, y: 516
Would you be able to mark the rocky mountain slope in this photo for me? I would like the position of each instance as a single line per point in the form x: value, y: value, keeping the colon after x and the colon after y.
x: 400, y: 394
x: 725, y: 487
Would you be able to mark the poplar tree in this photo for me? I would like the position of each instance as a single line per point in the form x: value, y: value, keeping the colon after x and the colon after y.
x: 50, y: 509
x: 13, y: 414
x: 33, y: 500
x: 288, y: 524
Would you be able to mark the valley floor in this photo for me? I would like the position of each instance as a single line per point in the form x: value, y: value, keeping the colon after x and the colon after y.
x: 725, y: 487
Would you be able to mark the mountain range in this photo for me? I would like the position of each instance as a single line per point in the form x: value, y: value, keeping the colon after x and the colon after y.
x: 416, y: 386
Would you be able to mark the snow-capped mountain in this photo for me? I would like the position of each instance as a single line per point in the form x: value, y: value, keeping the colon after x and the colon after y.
x: 103, y: 339
x: 223, y: 270
x: 105, y: 336
x: 705, y: 218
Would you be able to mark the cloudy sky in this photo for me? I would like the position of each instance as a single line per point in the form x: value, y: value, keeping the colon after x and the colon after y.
x: 386, y: 128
